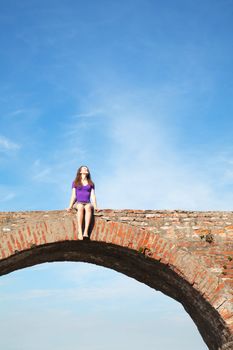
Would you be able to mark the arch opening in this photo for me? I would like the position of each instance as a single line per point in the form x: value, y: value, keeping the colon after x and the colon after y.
x: 85, y: 305
x: 135, y: 265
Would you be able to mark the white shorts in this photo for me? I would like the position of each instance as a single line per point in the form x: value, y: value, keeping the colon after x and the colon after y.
x: 83, y: 203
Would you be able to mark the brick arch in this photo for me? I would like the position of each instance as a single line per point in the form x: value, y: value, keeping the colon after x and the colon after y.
x: 137, y: 252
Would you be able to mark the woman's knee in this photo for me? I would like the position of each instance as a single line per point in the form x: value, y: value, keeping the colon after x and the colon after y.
x: 88, y: 207
x: 80, y: 207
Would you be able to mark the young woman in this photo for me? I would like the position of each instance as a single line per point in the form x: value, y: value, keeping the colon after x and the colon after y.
x: 83, y: 198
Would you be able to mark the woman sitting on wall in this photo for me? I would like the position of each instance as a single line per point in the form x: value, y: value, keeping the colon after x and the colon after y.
x: 83, y: 199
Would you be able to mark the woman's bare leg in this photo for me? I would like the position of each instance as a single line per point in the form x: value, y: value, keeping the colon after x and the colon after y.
x: 80, y: 215
x: 88, y: 214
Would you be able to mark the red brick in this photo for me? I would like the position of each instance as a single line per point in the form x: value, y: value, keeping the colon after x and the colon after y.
x: 206, y: 266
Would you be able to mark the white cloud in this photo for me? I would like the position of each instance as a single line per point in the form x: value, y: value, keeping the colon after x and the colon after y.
x: 43, y: 175
x: 17, y: 112
x: 90, y: 113
x: 147, y: 169
x: 8, y: 145
x: 41, y: 172
x: 103, y: 291
x: 6, y: 194
x: 135, y: 312
x: 7, y: 197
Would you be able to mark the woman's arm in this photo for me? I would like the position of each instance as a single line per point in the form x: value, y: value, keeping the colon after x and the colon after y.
x: 93, y: 198
x: 72, y: 198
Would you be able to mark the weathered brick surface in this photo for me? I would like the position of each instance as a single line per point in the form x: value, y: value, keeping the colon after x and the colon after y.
x: 186, y: 255
x: 208, y: 235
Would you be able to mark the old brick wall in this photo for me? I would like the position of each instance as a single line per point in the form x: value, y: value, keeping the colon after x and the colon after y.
x: 186, y: 255
x: 208, y: 235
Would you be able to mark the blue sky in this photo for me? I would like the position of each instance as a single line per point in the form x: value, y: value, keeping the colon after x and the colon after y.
x: 141, y: 92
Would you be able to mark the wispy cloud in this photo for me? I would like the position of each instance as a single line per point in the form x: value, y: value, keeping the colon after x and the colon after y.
x: 43, y: 175
x: 89, y: 114
x: 18, y: 112
x: 118, y: 303
x: 6, y: 194
x: 106, y: 290
x: 148, y: 169
x: 8, y: 197
x: 7, y: 145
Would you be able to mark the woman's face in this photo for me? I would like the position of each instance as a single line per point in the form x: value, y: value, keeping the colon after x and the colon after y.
x: 84, y: 170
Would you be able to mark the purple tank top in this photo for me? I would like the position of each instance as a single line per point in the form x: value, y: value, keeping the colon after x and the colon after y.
x: 83, y: 193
